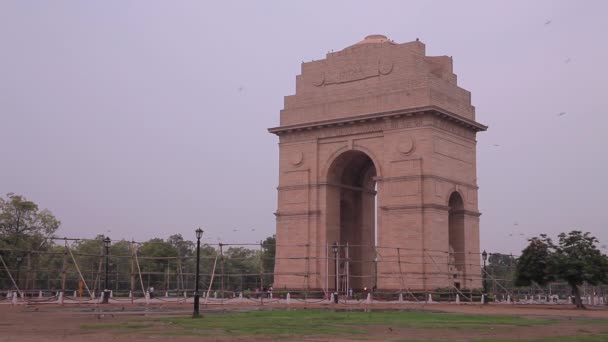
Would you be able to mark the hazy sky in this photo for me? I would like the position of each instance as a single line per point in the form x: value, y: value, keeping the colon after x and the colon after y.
x: 141, y: 119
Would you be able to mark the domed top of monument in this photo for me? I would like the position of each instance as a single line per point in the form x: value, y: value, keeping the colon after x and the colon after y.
x: 375, y: 38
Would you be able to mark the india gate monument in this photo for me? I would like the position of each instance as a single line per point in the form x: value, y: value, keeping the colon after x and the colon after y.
x: 377, y: 173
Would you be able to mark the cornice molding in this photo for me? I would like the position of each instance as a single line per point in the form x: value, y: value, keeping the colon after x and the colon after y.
x: 428, y: 206
x: 381, y: 179
x: 414, y: 207
x: 442, y: 113
x: 297, y: 213
x: 429, y: 176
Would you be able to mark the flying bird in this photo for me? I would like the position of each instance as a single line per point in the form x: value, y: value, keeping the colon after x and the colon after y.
x: 515, y: 223
x: 561, y: 113
x: 241, y: 88
x: 567, y: 60
x: 496, y: 145
x: 548, y: 22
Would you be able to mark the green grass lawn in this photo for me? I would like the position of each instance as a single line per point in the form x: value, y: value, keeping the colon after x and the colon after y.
x: 320, y: 322
x: 587, y: 338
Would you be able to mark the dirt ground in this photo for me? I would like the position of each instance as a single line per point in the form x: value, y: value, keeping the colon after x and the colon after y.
x: 55, y: 323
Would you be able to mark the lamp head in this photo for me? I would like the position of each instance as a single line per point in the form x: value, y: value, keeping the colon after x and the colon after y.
x: 199, y: 233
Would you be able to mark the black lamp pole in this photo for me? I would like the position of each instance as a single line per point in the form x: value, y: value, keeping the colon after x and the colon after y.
x: 106, y: 291
x: 484, y: 257
x: 335, y: 249
x: 199, y: 235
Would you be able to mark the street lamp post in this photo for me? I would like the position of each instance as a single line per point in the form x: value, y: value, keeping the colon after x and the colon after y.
x: 484, y: 257
x: 335, y: 250
x: 106, y: 291
x: 199, y: 235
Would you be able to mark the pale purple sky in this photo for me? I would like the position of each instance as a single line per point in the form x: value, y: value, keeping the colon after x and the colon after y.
x: 141, y: 119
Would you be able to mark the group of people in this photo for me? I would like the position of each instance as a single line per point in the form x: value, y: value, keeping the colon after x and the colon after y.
x: 266, y: 292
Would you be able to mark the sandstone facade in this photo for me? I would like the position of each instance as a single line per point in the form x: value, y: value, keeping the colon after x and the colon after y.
x: 378, y: 153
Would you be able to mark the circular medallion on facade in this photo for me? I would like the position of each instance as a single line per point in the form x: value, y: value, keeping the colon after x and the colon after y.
x: 406, y: 145
x: 385, y: 67
x: 297, y: 158
x: 318, y: 79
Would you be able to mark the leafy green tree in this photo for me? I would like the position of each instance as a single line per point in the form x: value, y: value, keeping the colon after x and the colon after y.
x: 533, y: 266
x: 23, y: 229
x: 48, y: 266
x: 207, y: 261
x: 577, y: 260
x: 20, y: 218
x: 155, y: 257
x: 268, y: 254
x: 241, y: 268
x: 120, y: 266
x: 89, y: 257
x: 501, y: 267
x: 184, y: 248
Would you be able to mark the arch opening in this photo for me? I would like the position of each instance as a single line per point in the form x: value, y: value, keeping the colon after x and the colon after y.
x: 456, y: 235
x: 351, y: 215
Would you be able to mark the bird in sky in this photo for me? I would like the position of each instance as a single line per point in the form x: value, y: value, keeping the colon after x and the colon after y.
x: 516, y: 223
x: 241, y: 88
x: 561, y: 113
x: 567, y: 60
x: 496, y: 145
x: 548, y: 22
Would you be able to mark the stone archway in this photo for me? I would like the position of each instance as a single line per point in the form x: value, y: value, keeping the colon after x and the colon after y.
x: 456, y: 237
x: 378, y: 121
x: 351, y: 217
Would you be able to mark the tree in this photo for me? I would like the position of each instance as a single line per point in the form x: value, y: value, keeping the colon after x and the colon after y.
x: 24, y: 228
x: 241, y: 268
x: 185, y: 248
x: 156, y: 256
x: 577, y: 260
x: 533, y: 266
x: 20, y: 219
x: 269, y: 247
x: 88, y: 254
x: 500, y: 267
